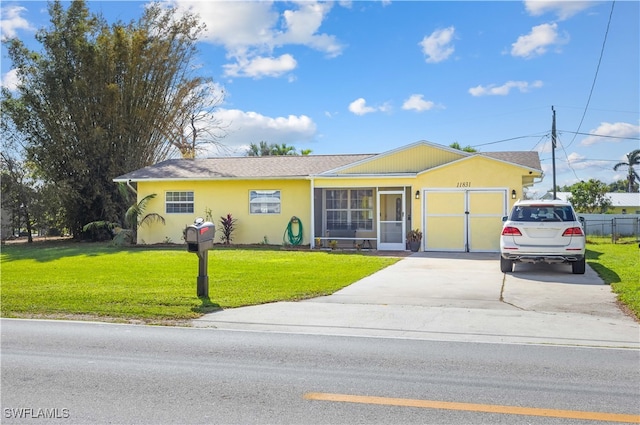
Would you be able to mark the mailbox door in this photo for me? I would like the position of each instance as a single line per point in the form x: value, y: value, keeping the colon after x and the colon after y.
x: 191, y: 235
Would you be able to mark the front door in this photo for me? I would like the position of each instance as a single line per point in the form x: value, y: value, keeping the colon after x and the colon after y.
x: 391, y: 221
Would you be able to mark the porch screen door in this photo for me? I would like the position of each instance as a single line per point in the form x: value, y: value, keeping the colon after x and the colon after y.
x: 391, y: 222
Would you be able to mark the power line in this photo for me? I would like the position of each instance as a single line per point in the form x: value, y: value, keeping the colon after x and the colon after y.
x: 598, y: 135
x: 568, y: 161
x: 505, y: 140
x: 595, y: 77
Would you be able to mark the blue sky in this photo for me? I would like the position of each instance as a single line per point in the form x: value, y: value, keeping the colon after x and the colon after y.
x: 368, y: 77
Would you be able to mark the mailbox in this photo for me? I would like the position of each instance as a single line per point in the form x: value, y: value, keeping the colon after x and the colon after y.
x: 199, y: 236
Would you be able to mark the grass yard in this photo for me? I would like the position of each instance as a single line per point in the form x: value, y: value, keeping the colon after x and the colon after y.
x: 618, y: 265
x: 159, y: 285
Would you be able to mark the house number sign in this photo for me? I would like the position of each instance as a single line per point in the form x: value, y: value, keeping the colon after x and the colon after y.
x: 463, y: 184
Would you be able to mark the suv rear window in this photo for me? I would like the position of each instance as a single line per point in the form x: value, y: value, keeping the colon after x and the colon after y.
x: 542, y: 213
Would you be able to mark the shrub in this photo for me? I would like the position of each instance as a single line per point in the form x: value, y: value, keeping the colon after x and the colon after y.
x: 228, y: 226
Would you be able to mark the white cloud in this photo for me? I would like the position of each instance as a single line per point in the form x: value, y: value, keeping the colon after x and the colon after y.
x: 301, y: 27
x: 437, y: 46
x: 261, y: 67
x: 612, y: 132
x: 417, y: 103
x: 12, y: 21
x: 562, y: 8
x: 503, y: 90
x: 360, y: 107
x: 537, y: 41
x: 250, y: 31
x: 10, y: 80
x: 244, y: 128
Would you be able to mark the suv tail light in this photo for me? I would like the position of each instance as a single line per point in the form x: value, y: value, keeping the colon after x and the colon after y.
x: 511, y: 231
x: 573, y: 231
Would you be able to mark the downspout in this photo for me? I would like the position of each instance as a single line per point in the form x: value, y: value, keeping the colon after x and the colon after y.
x: 131, y: 187
x: 312, y: 243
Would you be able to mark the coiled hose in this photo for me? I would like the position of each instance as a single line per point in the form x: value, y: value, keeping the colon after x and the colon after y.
x: 294, y: 239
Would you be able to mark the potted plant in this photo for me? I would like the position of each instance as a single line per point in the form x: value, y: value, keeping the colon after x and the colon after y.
x: 414, y: 237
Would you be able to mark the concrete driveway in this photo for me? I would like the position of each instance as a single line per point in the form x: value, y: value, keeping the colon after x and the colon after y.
x: 455, y: 296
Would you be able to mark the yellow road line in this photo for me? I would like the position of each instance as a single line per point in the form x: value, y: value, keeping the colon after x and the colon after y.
x: 472, y: 407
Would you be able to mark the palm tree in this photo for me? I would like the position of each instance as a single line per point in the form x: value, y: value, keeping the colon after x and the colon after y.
x: 132, y: 220
x: 633, y: 159
x: 264, y: 149
x: 283, y: 149
x: 134, y: 217
x: 273, y: 149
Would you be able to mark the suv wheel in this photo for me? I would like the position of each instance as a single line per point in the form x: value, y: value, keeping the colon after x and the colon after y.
x: 578, y: 267
x: 506, y: 266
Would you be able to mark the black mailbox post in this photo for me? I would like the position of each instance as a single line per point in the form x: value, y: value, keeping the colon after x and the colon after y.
x: 199, y: 238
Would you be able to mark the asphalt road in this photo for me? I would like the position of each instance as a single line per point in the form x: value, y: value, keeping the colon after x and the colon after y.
x: 91, y: 373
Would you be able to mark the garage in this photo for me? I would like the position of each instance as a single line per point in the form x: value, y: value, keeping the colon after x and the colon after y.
x: 466, y: 220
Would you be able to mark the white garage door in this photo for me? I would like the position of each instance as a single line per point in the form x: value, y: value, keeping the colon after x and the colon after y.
x: 464, y: 220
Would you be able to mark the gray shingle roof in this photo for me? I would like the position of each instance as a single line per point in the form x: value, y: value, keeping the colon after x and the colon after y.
x: 265, y: 167
x: 256, y: 167
x: 527, y: 159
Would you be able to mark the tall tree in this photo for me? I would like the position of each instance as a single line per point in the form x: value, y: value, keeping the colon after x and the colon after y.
x: 619, y: 186
x: 590, y: 197
x: 18, y: 196
x: 633, y: 159
x: 100, y: 101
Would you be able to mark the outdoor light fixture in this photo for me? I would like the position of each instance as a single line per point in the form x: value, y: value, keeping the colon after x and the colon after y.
x: 417, y: 194
x: 513, y: 194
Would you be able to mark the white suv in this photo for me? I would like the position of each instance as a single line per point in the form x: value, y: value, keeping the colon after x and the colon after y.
x: 542, y: 232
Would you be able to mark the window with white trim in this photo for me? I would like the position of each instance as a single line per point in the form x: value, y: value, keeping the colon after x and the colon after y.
x: 264, y: 201
x: 179, y: 202
x: 349, y: 209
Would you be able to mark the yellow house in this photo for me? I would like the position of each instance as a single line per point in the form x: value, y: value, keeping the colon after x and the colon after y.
x: 455, y: 198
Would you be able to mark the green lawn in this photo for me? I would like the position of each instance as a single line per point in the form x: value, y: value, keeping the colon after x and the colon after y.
x: 159, y: 285
x: 618, y: 265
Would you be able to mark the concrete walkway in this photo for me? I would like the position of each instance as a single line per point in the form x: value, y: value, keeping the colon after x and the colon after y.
x: 455, y: 297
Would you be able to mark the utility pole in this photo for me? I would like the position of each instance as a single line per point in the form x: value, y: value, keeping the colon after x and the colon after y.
x: 553, y: 150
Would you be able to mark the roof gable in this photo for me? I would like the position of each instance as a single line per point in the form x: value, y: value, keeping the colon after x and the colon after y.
x: 412, y: 159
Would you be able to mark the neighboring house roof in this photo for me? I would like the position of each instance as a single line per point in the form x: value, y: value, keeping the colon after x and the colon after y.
x: 617, y: 199
x: 290, y: 166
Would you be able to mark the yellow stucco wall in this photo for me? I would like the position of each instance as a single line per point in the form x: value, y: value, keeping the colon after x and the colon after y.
x: 223, y: 197
x: 627, y: 210
x: 231, y: 196
x: 477, y: 172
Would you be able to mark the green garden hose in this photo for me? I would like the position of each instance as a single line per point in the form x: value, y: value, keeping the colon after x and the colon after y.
x: 294, y: 239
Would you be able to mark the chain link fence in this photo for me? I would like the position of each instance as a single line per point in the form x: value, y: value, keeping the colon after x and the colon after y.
x: 615, y: 226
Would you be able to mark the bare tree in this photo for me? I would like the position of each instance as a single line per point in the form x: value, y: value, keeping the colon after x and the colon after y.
x: 195, y: 126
